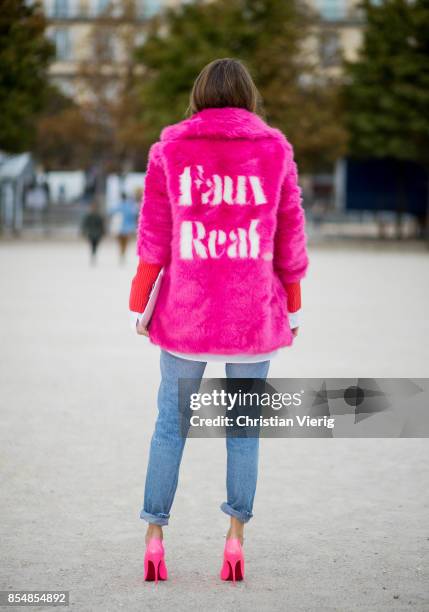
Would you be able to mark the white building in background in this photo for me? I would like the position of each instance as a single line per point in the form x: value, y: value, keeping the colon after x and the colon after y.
x: 16, y: 174
x: 339, y: 33
x: 71, y: 22
x: 71, y: 26
x: 131, y: 185
x: 65, y: 187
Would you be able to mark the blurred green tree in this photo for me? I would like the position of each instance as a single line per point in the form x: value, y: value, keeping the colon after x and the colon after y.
x: 108, y: 77
x: 99, y: 126
x: 65, y: 137
x: 270, y: 38
x: 24, y: 58
x: 387, y: 90
x: 386, y: 95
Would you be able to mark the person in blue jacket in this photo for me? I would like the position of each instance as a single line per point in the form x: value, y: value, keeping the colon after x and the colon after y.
x: 123, y: 222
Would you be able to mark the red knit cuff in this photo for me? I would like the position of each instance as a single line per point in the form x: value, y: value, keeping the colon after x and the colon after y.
x: 142, y: 284
x: 293, y: 291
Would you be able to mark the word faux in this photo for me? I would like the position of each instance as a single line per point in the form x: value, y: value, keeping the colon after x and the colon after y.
x: 195, y: 187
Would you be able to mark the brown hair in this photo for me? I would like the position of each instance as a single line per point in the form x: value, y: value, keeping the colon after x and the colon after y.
x: 224, y: 82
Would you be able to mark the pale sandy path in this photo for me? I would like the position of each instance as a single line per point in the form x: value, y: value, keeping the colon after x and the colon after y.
x: 339, y: 524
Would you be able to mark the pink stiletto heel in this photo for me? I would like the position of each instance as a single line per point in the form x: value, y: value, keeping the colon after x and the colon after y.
x: 233, y: 561
x: 154, y: 562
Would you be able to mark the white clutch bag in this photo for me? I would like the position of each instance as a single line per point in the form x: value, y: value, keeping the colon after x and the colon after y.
x: 153, y: 297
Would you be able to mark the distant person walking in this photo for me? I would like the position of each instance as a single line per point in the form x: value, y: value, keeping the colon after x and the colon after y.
x: 123, y: 223
x: 93, y: 229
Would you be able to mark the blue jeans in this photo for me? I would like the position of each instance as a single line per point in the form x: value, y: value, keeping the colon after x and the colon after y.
x: 167, y: 445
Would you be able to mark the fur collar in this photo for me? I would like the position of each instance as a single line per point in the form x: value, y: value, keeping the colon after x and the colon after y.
x: 221, y: 123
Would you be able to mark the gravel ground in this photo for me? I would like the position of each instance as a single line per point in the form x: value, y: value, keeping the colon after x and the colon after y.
x: 339, y: 524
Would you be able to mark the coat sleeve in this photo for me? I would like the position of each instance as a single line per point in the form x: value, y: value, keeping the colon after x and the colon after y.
x: 290, y: 244
x: 155, y: 224
x: 142, y: 284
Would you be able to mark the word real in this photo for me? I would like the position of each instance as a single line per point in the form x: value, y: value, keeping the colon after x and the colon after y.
x: 197, y: 188
x: 240, y: 242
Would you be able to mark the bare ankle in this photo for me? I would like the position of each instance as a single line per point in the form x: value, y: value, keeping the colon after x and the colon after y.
x: 236, y: 530
x: 154, y: 531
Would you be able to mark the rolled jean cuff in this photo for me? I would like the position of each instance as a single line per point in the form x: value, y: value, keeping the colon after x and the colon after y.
x: 155, y: 519
x: 243, y: 517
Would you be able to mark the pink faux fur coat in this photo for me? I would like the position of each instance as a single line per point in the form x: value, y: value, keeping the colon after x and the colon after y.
x: 222, y: 213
